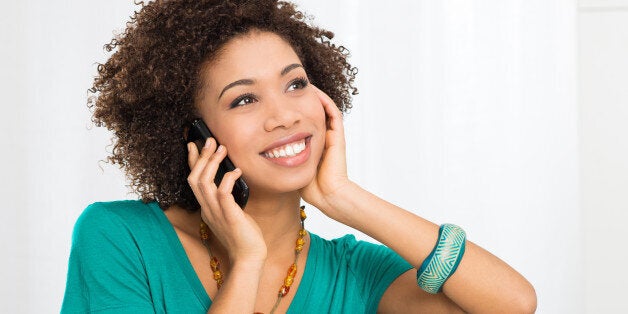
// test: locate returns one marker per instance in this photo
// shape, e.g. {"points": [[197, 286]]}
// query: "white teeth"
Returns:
{"points": [[287, 150]]}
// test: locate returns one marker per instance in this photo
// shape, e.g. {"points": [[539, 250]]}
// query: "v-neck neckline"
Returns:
{"points": [[185, 265], [182, 258]]}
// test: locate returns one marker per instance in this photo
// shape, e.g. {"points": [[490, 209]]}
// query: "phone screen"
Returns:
{"points": [[198, 133]]}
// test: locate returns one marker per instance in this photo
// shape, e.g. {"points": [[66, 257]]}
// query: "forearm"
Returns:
{"points": [[482, 282], [239, 291]]}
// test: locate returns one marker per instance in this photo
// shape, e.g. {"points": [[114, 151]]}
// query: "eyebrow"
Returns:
{"points": [[290, 68], [283, 72]]}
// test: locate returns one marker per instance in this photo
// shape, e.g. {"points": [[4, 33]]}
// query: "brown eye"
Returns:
{"points": [[299, 83], [243, 100]]}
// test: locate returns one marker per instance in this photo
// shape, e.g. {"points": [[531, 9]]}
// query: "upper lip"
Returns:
{"points": [[288, 139]]}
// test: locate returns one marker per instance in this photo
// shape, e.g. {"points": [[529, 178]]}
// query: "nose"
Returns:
{"points": [[281, 113]]}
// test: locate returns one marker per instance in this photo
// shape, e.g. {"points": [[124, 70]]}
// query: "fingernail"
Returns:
{"points": [[188, 146], [207, 142], [220, 148]]}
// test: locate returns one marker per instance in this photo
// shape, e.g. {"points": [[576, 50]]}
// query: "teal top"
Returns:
{"points": [[127, 258]]}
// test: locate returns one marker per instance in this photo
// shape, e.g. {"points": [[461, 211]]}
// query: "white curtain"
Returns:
{"points": [[466, 114]]}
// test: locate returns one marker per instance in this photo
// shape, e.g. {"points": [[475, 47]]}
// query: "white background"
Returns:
{"points": [[505, 117]]}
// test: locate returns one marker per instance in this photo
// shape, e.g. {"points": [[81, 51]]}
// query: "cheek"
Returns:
{"points": [[235, 135], [322, 117], [319, 121], [316, 112]]}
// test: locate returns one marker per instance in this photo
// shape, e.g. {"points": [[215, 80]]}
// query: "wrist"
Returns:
{"points": [[250, 266], [253, 255], [239, 291], [340, 204]]}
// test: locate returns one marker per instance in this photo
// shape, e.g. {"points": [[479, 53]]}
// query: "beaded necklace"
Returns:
{"points": [[292, 270]]}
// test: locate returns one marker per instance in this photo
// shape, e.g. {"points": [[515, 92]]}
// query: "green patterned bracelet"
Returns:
{"points": [[443, 260]]}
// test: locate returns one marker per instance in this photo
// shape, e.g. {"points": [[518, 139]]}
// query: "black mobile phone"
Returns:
{"points": [[198, 133]]}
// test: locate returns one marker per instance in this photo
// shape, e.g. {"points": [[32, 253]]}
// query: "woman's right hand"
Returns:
{"points": [[235, 229]]}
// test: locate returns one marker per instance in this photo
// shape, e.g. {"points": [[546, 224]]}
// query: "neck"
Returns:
{"points": [[278, 217]]}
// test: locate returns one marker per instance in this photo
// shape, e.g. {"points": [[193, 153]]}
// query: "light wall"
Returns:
{"points": [[603, 130], [467, 113]]}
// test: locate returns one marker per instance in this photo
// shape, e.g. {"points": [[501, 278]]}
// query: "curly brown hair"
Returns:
{"points": [[145, 93]]}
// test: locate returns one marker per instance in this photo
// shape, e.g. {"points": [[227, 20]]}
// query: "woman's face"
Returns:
{"points": [[259, 104]]}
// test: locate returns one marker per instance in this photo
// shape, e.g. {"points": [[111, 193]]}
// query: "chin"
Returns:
{"points": [[281, 183]]}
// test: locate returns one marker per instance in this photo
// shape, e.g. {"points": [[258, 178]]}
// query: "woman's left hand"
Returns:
{"points": [[331, 178]]}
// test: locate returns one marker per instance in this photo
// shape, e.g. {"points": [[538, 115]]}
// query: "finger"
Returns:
{"points": [[335, 129], [207, 185], [228, 181], [205, 219], [331, 110], [207, 176], [192, 154], [224, 195], [197, 169], [201, 160], [209, 147], [205, 188]]}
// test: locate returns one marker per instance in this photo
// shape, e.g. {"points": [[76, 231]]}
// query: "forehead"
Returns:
{"points": [[254, 55]]}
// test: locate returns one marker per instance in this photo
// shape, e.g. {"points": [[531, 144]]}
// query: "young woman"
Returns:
{"points": [[272, 90]]}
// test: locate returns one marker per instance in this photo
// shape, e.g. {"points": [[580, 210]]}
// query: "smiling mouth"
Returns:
{"points": [[288, 150]]}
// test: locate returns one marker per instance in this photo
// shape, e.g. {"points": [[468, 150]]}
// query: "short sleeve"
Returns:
{"points": [[375, 267], [105, 272]]}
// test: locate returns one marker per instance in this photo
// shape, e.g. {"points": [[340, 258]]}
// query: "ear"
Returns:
{"points": [[186, 132]]}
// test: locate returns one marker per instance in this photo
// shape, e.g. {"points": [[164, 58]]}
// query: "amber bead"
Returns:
{"points": [[203, 231], [214, 263], [283, 291], [300, 242], [288, 281], [292, 271]]}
